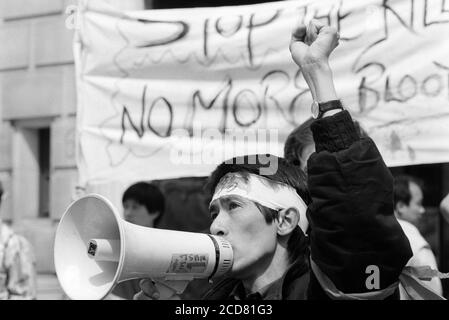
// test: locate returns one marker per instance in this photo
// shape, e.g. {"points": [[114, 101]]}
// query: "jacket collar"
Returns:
{"points": [[292, 282]]}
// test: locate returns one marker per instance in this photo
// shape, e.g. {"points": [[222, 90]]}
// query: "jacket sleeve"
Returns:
{"points": [[351, 214]]}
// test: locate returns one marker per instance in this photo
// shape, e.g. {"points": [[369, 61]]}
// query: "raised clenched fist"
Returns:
{"points": [[313, 44]]}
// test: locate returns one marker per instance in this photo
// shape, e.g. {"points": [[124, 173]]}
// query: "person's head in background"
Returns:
{"points": [[143, 204], [300, 145], [408, 197]]}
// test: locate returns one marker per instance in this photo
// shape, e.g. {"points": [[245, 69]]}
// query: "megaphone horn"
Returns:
{"points": [[96, 249]]}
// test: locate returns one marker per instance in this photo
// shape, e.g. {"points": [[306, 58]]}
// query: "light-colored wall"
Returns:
{"points": [[38, 90]]}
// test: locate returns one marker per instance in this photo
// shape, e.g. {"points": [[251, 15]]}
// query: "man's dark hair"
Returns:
{"points": [[1, 191], [286, 173], [402, 188], [301, 137], [148, 195]]}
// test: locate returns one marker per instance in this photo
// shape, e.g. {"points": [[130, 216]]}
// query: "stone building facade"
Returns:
{"points": [[37, 131]]}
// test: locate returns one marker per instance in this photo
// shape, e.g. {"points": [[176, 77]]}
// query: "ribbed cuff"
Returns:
{"points": [[334, 133]]}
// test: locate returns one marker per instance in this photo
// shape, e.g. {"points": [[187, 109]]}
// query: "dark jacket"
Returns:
{"points": [[351, 216], [292, 286]]}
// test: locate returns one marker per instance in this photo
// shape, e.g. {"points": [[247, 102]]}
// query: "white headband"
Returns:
{"points": [[258, 189]]}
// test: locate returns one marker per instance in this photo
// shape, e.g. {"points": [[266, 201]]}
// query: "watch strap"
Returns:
{"points": [[329, 105]]}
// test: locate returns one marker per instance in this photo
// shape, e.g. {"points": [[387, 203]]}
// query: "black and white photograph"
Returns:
{"points": [[234, 151]]}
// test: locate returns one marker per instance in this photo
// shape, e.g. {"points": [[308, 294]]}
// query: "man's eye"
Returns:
{"points": [[233, 205], [213, 216]]}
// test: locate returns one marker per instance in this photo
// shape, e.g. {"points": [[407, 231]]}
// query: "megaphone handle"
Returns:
{"points": [[169, 288]]}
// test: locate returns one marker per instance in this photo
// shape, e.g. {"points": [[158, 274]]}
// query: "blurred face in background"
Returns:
{"points": [[414, 210], [137, 213], [305, 155]]}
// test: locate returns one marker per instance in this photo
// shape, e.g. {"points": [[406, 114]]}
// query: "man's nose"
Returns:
{"points": [[217, 227]]}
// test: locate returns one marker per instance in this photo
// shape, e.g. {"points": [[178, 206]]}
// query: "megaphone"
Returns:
{"points": [[95, 249]]}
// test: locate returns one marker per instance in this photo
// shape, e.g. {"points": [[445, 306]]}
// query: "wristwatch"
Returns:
{"points": [[319, 108]]}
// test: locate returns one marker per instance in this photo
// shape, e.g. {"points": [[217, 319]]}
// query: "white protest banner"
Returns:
{"points": [[167, 93]]}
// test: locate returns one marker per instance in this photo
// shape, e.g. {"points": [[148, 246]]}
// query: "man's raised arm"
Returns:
{"points": [[357, 245]]}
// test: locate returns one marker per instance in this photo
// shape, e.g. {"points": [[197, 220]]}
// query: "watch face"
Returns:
{"points": [[315, 109]]}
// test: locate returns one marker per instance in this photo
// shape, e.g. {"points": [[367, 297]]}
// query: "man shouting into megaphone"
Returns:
{"points": [[357, 248], [264, 219]]}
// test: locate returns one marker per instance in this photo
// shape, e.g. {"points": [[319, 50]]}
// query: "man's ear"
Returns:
{"points": [[400, 207], [287, 221]]}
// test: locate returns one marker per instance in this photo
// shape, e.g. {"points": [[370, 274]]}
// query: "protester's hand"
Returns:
{"points": [[312, 45], [310, 48], [148, 291], [112, 296], [155, 291]]}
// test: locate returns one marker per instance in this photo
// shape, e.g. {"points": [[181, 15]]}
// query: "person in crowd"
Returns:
{"points": [[17, 264], [409, 209], [299, 144], [143, 204], [348, 202]]}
